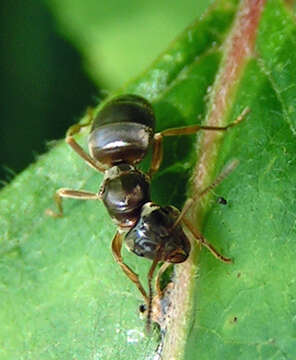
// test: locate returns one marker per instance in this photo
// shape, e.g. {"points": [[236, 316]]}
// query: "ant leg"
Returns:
{"points": [[75, 129], [150, 277], [68, 193], [201, 240], [160, 293], [116, 250], [186, 130], [157, 154], [162, 269]]}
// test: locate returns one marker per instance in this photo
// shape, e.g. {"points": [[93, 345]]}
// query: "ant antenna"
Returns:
{"points": [[188, 204]]}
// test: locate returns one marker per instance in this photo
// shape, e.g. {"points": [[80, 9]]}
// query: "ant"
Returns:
{"points": [[120, 136]]}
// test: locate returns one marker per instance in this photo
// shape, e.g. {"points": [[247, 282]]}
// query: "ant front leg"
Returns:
{"points": [[189, 203], [116, 250], [202, 241], [157, 154], [160, 272], [69, 193], [75, 129]]}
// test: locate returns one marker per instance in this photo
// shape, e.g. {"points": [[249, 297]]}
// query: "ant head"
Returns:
{"points": [[155, 235]]}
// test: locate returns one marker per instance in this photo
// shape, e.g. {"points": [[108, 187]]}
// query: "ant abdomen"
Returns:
{"points": [[122, 131], [124, 191]]}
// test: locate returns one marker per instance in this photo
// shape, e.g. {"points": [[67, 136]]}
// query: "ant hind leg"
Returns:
{"points": [[157, 154]]}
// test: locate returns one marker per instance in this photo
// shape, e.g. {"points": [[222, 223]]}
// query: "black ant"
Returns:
{"points": [[120, 136]]}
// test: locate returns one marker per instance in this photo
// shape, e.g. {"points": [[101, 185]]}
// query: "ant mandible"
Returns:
{"points": [[120, 136]]}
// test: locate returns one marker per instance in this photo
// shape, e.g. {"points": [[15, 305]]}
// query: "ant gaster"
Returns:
{"points": [[120, 136]]}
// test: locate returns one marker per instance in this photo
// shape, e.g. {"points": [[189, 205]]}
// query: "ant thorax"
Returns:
{"points": [[124, 191]]}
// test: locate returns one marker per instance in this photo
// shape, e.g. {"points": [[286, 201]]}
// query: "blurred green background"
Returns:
{"points": [[60, 56]]}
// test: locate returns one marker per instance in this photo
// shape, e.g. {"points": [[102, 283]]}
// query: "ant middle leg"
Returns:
{"points": [[157, 154], [69, 193]]}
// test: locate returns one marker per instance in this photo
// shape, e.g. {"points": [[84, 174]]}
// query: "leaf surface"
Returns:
{"points": [[62, 295]]}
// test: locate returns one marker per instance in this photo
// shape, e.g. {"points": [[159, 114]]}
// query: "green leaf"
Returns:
{"points": [[62, 295], [121, 38], [247, 311]]}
